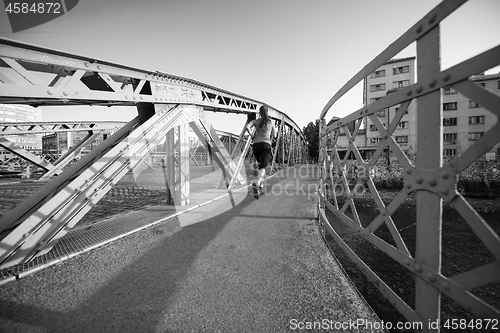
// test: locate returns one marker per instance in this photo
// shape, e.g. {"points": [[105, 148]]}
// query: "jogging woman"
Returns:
{"points": [[264, 133]]}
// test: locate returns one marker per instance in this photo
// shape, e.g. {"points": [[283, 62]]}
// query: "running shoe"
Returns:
{"points": [[256, 190]]}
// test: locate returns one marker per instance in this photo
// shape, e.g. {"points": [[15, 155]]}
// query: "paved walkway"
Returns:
{"points": [[260, 266]]}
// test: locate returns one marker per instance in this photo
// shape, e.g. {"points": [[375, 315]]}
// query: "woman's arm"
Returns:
{"points": [[248, 128]]}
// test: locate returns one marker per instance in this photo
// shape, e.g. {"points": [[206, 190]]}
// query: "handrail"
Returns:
{"points": [[427, 177]]}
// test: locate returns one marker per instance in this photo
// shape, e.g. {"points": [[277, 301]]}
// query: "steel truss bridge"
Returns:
{"points": [[167, 107], [428, 178], [54, 162]]}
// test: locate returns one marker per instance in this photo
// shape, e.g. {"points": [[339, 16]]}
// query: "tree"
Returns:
{"points": [[311, 133]]}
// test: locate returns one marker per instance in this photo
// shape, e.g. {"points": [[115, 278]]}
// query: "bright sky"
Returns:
{"points": [[293, 55]]}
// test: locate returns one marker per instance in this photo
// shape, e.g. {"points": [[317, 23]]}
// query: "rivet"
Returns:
{"points": [[432, 83], [419, 89], [445, 191], [447, 77], [98, 67], [50, 92], [432, 182], [386, 136], [384, 213], [408, 185], [146, 76], [419, 179], [409, 92], [419, 29], [87, 64], [431, 277], [65, 93], [445, 175], [432, 19], [418, 268], [446, 285], [26, 235], [408, 171], [407, 262]]}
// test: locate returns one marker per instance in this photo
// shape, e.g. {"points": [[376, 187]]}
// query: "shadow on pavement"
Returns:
{"points": [[134, 300]]}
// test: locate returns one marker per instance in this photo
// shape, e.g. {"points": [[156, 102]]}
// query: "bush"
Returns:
{"points": [[482, 178]]}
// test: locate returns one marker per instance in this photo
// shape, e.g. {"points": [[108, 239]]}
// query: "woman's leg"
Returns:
{"points": [[265, 156], [262, 174]]}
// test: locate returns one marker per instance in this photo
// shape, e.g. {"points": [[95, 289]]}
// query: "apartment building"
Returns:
{"points": [[10, 113], [393, 75], [57, 143], [465, 121], [388, 78]]}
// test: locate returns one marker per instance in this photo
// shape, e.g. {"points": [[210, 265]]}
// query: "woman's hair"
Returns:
{"points": [[264, 117]]}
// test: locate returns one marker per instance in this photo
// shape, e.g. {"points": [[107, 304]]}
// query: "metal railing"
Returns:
{"points": [[427, 179]]}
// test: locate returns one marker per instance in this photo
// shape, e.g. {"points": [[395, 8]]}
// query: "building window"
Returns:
{"points": [[482, 84], [400, 84], [400, 70], [373, 128], [449, 106], [449, 91], [377, 87], [397, 110], [381, 113], [374, 99], [402, 139], [403, 124], [450, 137], [473, 104], [380, 73], [449, 121], [474, 136], [450, 152], [375, 141], [476, 120]]}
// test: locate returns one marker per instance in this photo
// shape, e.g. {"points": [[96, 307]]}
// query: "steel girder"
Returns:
{"points": [[25, 155], [78, 80], [71, 155], [54, 127], [432, 181], [93, 127]]}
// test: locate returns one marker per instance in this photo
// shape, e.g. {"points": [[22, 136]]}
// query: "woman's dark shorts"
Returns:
{"points": [[262, 153]]}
